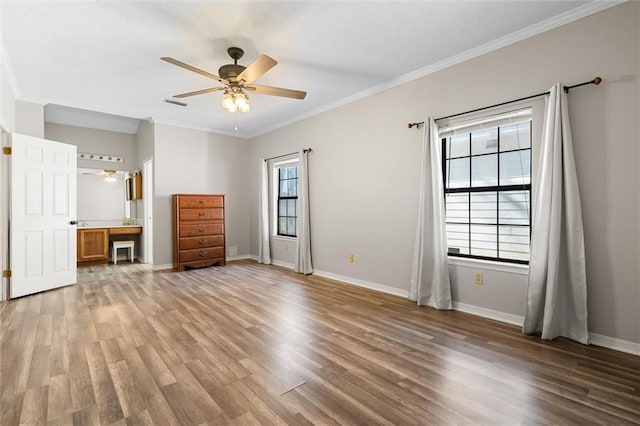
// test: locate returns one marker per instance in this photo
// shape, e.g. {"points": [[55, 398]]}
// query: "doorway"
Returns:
{"points": [[148, 210]]}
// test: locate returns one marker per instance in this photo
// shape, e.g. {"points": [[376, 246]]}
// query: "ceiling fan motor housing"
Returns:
{"points": [[230, 71]]}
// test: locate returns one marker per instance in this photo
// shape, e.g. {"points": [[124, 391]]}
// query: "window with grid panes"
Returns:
{"points": [[287, 199], [487, 176]]}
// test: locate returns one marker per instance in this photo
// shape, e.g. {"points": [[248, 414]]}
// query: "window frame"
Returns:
{"points": [[497, 189], [294, 162]]}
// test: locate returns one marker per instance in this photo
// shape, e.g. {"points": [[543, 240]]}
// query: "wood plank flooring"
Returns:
{"points": [[252, 344]]}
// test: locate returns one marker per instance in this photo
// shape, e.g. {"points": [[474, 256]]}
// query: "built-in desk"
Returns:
{"points": [[93, 241]]}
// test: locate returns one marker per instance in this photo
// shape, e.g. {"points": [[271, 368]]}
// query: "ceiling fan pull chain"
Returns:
{"points": [[237, 120]]}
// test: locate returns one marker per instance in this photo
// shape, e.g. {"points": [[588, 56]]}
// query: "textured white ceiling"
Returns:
{"points": [[105, 56]]}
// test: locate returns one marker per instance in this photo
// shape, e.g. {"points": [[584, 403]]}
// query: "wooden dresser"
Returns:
{"points": [[198, 231]]}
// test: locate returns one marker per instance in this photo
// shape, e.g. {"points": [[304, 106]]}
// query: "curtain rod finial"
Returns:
{"points": [[597, 80]]}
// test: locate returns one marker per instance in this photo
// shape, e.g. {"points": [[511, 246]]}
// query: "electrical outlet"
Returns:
{"points": [[479, 278], [352, 257]]}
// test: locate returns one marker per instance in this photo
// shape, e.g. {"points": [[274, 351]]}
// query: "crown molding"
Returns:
{"points": [[572, 15]]}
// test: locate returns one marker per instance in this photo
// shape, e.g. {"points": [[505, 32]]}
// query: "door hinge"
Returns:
{"points": [[6, 273], [6, 150]]}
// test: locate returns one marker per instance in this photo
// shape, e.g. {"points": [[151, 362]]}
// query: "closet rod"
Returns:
{"points": [[286, 155], [595, 81]]}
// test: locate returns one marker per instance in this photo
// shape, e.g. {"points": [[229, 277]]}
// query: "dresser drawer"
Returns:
{"points": [[196, 201], [201, 254], [201, 242], [201, 214], [202, 229]]}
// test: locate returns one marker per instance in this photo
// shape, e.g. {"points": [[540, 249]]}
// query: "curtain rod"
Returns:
{"points": [[596, 81], [286, 155]]}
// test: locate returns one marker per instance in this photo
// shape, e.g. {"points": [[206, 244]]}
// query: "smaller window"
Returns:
{"points": [[287, 200]]}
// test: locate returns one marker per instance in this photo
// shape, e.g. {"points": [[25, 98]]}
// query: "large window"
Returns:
{"points": [[487, 176], [287, 198]]}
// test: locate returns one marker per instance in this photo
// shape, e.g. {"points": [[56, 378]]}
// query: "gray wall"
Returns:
{"points": [[192, 161], [96, 141], [29, 119], [364, 170]]}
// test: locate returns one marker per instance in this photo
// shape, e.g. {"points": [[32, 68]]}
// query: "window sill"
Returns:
{"points": [[512, 268], [284, 238]]}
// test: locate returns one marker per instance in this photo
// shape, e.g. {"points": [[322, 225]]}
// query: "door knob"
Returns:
{"points": [[73, 222]]}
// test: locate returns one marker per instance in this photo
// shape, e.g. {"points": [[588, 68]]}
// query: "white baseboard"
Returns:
{"points": [[595, 339], [240, 257], [361, 283], [613, 343], [488, 313], [162, 267]]}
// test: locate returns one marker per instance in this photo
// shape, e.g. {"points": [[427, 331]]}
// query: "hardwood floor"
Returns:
{"points": [[249, 344]]}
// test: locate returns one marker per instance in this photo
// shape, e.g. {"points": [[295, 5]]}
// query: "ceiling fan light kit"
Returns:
{"points": [[238, 79]]}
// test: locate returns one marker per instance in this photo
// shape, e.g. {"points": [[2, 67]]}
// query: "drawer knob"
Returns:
{"points": [[202, 254], [201, 242], [200, 229], [201, 214], [201, 202]]}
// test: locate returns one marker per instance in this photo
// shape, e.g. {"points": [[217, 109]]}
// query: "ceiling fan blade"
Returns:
{"points": [[256, 69], [277, 91], [198, 92], [194, 69]]}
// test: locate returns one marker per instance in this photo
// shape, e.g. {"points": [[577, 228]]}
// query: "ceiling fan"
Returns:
{"points": [[238, 79]]}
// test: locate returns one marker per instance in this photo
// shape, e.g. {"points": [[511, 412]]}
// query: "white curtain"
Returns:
{"points": [[430, 272], [303, 263], [264, 252], [556, 302]]}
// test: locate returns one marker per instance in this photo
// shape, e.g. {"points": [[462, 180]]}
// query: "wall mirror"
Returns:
{"points": [[102, 196]]}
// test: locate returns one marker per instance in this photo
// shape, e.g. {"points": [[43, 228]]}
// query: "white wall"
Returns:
{"points": [[197, 162], [7, 102], [96, 141], [144, 150], [364, 167]]}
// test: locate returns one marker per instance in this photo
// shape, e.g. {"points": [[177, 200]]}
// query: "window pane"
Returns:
{"points": [[457, 146], [484, 208], [291, 208], [291, 226], [515, 167], [484, 241], [514, 207], [283, 188], [457, 207], [515, 136], [514, 242], [457, 175], [484, 170], [484, 141], [293, 172], [282, 225], [458, 238], [293, 187], [282, 207]]}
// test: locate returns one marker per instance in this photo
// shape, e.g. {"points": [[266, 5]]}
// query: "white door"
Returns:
{"points": [[148, 210], [43, 215]]}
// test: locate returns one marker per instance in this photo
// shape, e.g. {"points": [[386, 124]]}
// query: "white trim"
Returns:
{"points": [[285, 238], [361, 283], [241, 257], [162, 267], [488, 313], [613, 343], [281, 263], [517, 320], [522, 34], [511, 268]]}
